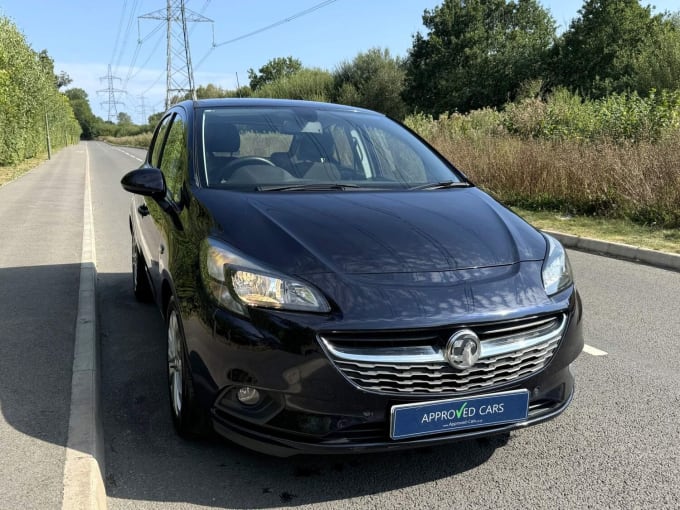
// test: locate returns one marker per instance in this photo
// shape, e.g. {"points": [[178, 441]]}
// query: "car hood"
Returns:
{"points": [[372, 233]]}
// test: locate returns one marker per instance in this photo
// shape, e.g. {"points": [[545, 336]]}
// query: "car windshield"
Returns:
{"points": [[305, 148]]}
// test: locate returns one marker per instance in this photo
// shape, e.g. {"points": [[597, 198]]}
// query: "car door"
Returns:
{"points": [[146, 211], [157, 219], [165, 224]]}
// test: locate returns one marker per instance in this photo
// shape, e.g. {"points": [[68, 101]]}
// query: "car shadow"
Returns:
{"points": [[146, 460], [38, 307]]}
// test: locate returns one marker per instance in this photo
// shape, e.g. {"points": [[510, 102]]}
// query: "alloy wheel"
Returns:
{"points": [[175, 363]]}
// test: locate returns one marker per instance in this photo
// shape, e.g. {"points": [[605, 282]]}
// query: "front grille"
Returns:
{"points": [[405, 363]]}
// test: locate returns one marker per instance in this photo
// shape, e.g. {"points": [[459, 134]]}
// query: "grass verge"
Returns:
{"points": [[9, 173], [635, 181], [141, 141], [606, 229]]}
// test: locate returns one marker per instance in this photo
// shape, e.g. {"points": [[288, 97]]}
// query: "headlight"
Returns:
{"points": [[236, 282], [556, 268]]}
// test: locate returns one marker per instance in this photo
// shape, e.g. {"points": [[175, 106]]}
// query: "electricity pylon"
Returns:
{"points": [[180, 73], [142, 109], [112, 102]]}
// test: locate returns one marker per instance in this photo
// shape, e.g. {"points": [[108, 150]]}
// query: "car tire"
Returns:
{"points": [[187, 417], [140, 281]]}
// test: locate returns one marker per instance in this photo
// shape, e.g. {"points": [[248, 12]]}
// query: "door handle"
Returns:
{"points": [[143, 210]]}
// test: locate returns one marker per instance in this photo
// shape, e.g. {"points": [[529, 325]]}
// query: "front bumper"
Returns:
{"points": [[376, 438], [309, 406]]}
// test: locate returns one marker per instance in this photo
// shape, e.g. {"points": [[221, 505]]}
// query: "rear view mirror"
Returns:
{"points": [[144, 181]]}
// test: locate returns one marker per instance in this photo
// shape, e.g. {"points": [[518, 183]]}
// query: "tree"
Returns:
{"points": [[476, 53], [124, 119], [210, 91], [596, 55], [155, 118], [83, 113], [47, 63], [373, 80], [657, 66], [29, 100], [309, 84], [273, 70]]}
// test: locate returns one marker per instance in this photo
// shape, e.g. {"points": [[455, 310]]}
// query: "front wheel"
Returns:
{"points": [[187, 417]]}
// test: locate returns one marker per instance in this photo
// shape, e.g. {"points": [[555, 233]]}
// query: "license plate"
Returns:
{"points": [[425, 418]]}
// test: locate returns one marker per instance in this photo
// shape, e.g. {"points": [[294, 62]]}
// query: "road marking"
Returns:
{"points": [[128, 154], [593, 351], [84, 466]]}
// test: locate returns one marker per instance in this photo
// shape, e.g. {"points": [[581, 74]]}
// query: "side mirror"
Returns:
{"points": [[144, 181]]}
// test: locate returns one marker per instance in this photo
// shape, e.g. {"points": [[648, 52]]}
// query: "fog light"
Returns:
{"points": [[248, 396]]}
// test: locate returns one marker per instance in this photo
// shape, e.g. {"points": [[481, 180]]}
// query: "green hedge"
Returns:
{"points": [[28, 94]]}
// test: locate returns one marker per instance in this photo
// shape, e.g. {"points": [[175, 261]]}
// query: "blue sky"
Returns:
{"points": [[81, 35]]}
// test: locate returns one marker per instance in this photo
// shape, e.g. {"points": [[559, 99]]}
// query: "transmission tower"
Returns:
{"points": [[111, 91], [142, 109], [180, 73]]}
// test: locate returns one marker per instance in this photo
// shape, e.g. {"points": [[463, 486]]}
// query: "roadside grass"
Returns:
{"points": [[605, 229], [639, 182], [11, 172], [142, 140]]}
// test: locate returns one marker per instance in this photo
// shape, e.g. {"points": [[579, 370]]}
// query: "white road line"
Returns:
{"points": [[593, 351], [84, 466], [128, 154]]}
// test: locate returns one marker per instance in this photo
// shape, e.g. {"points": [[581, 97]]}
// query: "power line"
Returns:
{"points": [[153, 84], [278, 23], [132, 73], [117, 56], [120, 27], [201, 12], [126, 36], [179, 77], [295, 16]]}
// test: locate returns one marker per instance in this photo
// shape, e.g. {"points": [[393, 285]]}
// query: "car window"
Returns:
{"points": [[343, 146], [258, 148], [174, 158], [157, 143], [396, 159]]}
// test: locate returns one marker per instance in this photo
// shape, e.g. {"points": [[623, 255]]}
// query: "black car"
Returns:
{"points": [[331, 284]]}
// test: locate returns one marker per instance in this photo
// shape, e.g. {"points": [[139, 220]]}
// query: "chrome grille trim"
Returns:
{"points": [[423, 369]]}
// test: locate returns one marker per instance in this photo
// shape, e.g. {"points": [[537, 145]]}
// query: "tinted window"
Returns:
{"points": [[157, 144], [255, 147], [174, 159]]}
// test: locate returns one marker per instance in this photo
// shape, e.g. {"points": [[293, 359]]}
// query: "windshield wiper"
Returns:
{"points": [[441, 185], [310, 187]]}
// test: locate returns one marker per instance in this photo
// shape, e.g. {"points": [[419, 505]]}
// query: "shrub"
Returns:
{"points": [[613, 157], [309, 84]]}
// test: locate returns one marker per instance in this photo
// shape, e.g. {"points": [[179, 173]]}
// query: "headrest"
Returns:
{"points": [[221, 137], [313, 147]]}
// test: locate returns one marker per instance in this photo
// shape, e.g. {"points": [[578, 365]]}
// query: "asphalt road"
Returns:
{"points": [[41, 228], [617, 446]]}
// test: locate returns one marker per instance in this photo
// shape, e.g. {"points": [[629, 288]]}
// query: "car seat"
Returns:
{"points": [[222, 141]]}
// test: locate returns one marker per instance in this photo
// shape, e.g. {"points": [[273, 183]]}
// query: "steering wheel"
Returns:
{"points": [[247, 160], [228, 170]]}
